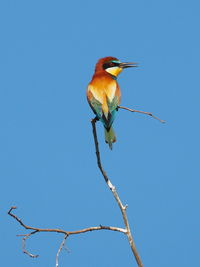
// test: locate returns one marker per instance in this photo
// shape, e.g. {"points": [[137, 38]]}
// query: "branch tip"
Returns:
{"points": [[12, 208]]}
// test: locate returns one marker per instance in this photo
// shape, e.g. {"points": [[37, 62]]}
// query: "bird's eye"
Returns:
{"points": [[112, 64], [106, 65]]}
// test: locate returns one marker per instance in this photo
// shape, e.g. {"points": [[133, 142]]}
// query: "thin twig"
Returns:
{"points": [[113, 189], [60, 248], [142, 112], [25, 251]]}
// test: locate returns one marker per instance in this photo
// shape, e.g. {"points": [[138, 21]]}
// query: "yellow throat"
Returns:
{"points": [[115, 71]]}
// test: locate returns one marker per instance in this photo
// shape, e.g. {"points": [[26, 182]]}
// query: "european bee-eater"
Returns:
{"points": [[103, 93]]}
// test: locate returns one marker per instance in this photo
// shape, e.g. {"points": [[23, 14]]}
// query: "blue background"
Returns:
{"points": [[48, 169]]}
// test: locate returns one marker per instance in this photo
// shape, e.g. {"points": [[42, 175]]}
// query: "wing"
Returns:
{"points": [[95, 104]]}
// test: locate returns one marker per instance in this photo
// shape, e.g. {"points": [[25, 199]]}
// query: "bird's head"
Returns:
{"points": [[112, 65]]}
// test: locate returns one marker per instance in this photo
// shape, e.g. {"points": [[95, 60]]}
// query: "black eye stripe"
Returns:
{"points": [[110, 64]]}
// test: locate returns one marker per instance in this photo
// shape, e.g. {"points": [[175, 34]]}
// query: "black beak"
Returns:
{"points": [[125, 65]]}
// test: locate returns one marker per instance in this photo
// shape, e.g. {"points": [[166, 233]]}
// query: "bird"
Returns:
{"points": [[104, 95]]}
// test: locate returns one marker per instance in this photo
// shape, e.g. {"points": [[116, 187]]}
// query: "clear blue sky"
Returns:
{"points": [[48, 169]]}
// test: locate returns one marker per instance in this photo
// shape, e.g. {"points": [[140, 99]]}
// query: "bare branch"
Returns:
{"points": [[84, 230], [123, 208], [116, 196], [66, 233], [142, 112]]}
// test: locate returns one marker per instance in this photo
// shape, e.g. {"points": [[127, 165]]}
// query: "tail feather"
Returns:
{"points": [[110, 137]]}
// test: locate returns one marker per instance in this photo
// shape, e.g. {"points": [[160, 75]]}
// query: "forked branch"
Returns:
{"points": [[66, 234], [116, 196]]}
